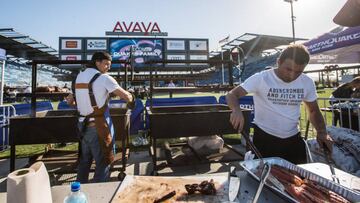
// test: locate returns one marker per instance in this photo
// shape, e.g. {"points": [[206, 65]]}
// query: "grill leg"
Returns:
{"points": [[12, 158], [154, 157]]}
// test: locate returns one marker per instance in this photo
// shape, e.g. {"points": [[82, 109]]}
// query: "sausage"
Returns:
{"points": [[286, 176], [297, 193], [314, 194]]}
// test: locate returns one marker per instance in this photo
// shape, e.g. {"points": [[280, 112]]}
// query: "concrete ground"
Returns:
{"points": [[62, 169]]}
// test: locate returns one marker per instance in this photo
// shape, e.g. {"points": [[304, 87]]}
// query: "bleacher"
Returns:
{"points": [[258, 66], [250, 69]]}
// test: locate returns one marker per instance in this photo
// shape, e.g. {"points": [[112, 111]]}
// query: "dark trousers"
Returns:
{"points": [[291, 149]]}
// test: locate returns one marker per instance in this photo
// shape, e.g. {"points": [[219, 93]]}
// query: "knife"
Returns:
{"points": [[234, 184]]}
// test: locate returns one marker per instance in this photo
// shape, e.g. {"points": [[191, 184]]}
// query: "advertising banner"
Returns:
{"points": [[336, 38], [96, 44], [143, 49], [340, 45], [71, 44], [198, 45], [88, 57], [71, 57], [198, 57], [176, 57], [175, 45]]}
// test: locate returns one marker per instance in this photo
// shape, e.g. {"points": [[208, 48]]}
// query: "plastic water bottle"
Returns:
{"points": [[76, 196]]}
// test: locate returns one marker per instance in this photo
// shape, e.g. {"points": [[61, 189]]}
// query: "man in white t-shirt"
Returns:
{"points": [[92, 89], [277, 95]]}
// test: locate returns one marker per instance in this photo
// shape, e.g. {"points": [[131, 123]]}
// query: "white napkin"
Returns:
{"points": [[30, 185]]}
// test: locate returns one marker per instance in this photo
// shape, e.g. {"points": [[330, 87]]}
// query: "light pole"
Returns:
{"points": [[292, 18]]}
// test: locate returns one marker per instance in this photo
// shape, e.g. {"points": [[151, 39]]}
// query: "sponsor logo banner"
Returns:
{"points": [[198, 45], [175, 45], [96, 44], [71, 44], [176, 57], [198, 57]]}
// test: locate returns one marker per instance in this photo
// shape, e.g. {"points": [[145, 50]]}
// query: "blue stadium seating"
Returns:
{"points": [[250, 69], [25, 109]]}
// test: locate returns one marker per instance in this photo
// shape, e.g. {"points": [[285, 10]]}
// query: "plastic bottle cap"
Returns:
{"points": [[75, 186]]}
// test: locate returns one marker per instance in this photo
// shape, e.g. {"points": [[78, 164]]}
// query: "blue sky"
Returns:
{"points": [[46, 20]]}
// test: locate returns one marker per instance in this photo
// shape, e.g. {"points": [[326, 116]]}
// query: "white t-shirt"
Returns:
{"points": [[277, 103], [102, 87], [171, 85]]}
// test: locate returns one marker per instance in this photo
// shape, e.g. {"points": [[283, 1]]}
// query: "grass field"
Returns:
{"points": [[31, 150]]}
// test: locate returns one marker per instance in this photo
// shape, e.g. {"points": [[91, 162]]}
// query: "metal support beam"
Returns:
{"points": [[33, 88], [6, 29], [18, 37]]}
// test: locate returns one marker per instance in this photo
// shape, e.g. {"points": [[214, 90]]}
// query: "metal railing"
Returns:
{"points": [[340, 112], [6, 111]]}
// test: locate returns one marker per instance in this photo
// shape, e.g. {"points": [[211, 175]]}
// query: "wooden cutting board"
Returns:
{"points": [[148, 188]]}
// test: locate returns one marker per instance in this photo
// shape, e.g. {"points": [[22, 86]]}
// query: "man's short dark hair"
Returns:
{"points": [[296, 52], [99, 56]]}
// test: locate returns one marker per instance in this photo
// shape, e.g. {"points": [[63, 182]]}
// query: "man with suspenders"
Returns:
{"points": [[92, 89]]}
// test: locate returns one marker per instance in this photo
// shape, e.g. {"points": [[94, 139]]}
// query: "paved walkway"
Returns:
{"points": [[139, 163]]}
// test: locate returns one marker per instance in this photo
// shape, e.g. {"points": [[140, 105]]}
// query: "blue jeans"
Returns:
{"points": [[90, 150]]}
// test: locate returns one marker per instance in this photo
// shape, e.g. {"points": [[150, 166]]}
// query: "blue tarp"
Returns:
{"points": [[136, 117], [64, 105], [245, 102], [24, 109]]}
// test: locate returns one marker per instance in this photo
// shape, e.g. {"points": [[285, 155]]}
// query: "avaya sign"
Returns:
{"points": [[137, 29]]}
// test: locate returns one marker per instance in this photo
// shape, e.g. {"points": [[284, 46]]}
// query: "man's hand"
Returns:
{"points": [[70, 100], [131, 104], [237, 119], [324, 139]]}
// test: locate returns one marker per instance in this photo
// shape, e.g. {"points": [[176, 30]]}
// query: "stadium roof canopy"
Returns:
{"points": [[251, 43], [21, 46]]}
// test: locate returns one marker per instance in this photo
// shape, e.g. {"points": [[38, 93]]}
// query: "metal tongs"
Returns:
{"points": [[262, 164], [330, 163], [264, 174], [252, 146]]}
